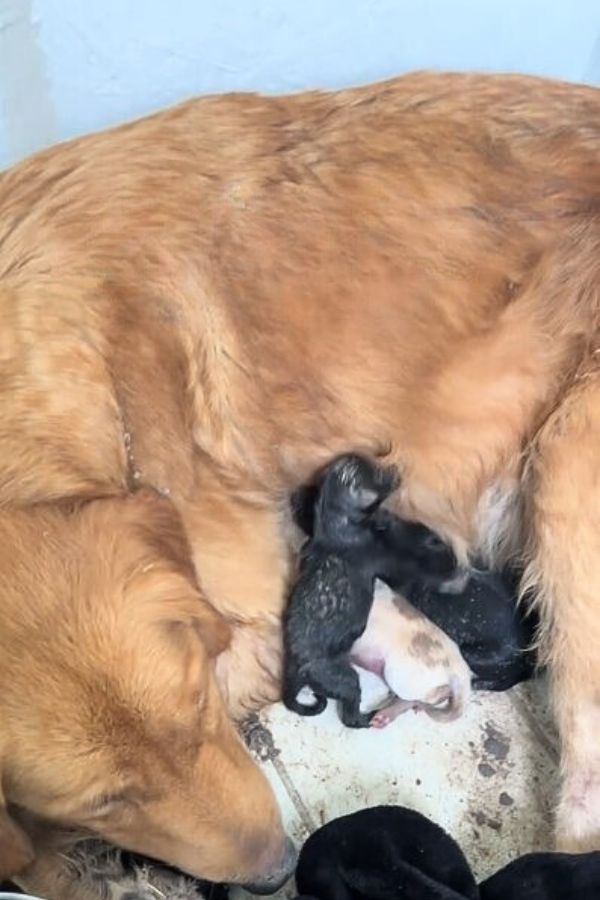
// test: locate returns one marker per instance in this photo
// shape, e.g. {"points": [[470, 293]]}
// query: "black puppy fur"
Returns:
{"points": [[495, 634], [384, 852], [353, 542], [546, 876], [394, 853], [400, 552]]}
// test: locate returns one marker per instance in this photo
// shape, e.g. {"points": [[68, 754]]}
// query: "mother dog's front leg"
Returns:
{"points": [[565, 569], [242, 557]]}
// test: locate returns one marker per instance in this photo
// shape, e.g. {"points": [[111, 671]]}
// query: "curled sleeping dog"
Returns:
{"points": [[420, 664], [353, 542]]}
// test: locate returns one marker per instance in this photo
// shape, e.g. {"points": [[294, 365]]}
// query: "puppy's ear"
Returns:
{"points": [[164, 532], [16, 850], [303, 502]]}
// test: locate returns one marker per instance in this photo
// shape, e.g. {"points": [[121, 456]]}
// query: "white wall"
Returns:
{"points": [[68, 66]]}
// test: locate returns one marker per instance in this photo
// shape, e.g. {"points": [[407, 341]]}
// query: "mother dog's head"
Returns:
{"points": [[110, 717]]}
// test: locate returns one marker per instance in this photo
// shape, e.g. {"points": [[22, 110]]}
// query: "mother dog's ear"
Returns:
{"points": [[16, 850], [212, 627], [163, 530]]}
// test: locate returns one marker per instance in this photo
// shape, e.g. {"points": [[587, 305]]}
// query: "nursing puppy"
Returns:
{"points": [[353, 541], [495, 633], [403, 554], [421, 665]]}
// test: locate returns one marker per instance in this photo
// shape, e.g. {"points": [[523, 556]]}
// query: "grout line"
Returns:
{"points": [[259, 740], [292, 791]]}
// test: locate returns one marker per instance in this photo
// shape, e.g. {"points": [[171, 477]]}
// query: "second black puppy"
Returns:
{"points": [[352, 542], [495, 633]]}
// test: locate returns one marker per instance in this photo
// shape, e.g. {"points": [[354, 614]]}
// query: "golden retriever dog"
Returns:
{"points": [[110, 724], [215, 300]]}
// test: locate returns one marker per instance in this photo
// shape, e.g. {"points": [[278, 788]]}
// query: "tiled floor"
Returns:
{"points": [[488, 778]]}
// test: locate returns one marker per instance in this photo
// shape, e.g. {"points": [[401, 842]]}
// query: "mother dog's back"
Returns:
{"points": [[213, 266]]}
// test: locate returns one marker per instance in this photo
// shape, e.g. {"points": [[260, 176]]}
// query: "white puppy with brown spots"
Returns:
{"points": [[422, 667]]}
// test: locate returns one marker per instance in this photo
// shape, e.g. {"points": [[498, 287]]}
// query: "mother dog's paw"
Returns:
{"points": [[578, 814]]}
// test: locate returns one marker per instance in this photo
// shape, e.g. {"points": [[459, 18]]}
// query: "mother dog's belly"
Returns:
{"points": [[477, 508], [485, 525]]}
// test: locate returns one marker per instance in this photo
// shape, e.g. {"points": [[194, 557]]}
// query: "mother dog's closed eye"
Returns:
{"points": [[111, 718]]}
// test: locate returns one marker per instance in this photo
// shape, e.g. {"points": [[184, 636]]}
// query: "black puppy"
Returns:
{"points": [[402, 553], [353, 542], [383, 853], [494, 633], [394, 853], [546, 876]]}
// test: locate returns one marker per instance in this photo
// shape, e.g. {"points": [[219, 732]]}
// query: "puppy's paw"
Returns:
{"points": [[383, 717], [362, 720], [380, 720]]}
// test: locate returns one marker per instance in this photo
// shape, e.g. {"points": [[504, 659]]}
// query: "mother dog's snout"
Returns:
{"points": [[277, 876]]}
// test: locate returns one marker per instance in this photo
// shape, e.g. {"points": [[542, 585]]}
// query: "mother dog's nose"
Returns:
{"points": [[277, 876]]}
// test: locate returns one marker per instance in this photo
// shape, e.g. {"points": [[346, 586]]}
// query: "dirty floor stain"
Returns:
{"points": [[489, 778]]}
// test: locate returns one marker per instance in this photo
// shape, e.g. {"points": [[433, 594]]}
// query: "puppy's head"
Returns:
{"points": [[352, 487], [112, 721], [419, 553]]}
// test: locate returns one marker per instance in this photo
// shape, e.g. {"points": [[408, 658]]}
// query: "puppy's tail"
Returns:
{"points": [[456, 694], [290, 700]]}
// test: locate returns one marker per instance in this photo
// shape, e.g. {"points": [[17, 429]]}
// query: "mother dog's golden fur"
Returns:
{"points": [[216, 299], [111, 720]]}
